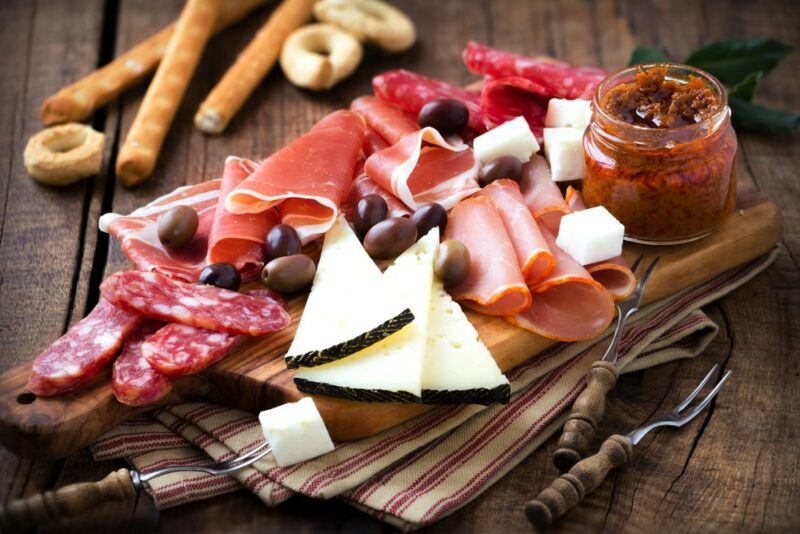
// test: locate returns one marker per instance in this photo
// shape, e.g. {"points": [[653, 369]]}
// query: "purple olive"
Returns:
{"points": [[447, 115], [370, 210], [282, 240], [428, 216]]}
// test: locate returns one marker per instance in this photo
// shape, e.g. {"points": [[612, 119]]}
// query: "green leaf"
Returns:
{"points": [[646, 54], [746, 89], [732, 60], [756, 118]]}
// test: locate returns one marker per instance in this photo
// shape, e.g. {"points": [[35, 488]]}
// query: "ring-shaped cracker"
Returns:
{"points": [[371, 21], [64, 154], [318, 56]]}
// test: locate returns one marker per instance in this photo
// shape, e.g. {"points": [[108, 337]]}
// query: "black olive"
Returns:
{"points": [[370, 210], [500, 167], [288, 274], [390, 237], [447, 115], [222, 275], [282, 240], [428, 216], [451, 263], [177, 226]]}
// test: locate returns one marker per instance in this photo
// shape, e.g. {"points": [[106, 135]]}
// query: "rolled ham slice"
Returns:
{"points": [[569, 305], [504, 99], [495, 284], [308, 178], [138, 235], [363, 186], [614, 274], [541, 194], [239, 239], [533, 254], [420, 166]]}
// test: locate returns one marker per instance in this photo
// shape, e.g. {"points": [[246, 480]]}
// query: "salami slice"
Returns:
{"points": [[80, 354], [507, 98], [133, 380], [410, 91], [158, 297], [178, 350]]}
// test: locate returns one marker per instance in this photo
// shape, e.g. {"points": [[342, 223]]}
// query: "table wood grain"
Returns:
{"points": [[735, 468]]}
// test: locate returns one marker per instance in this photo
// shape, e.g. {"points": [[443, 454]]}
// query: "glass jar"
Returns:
{"points": [[666, 185]]}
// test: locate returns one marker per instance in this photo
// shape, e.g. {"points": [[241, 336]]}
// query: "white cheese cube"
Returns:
{"points": [[296, 432], [563, 113], [590, 235], [563, 148], [512, 138]]}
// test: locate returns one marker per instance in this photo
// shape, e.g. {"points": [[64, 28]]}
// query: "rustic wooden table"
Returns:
{"points": [[734, 468]]}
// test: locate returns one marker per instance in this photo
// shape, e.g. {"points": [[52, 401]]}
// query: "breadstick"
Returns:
{"points": [[79, 100], [252, 65], [138, 155]]}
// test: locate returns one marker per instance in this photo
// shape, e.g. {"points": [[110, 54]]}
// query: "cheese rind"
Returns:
{"points": [[563, 113], [512, 138], [296, 432], [590, 235], [563, 148]]}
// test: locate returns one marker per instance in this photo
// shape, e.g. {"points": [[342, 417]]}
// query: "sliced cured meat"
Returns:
{"points": [[133, 379], [239, 239], [504, 99], [614, 274], [533, 254], [158, 297], [542, 194], [495, 284], [410, 91], [308, 178], [559, 79], [420, 166], [178, 350], [373, 142], [569, 305], [80, 354], [138, 235], [363, 186]]}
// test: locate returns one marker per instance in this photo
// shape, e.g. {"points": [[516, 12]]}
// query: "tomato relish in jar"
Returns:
{"points": [[660, 153]]}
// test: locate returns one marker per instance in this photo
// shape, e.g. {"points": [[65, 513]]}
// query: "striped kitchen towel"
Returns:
{"points": [[426, 468]]}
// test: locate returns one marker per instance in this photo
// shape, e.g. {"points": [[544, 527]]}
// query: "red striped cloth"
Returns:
{"points": [[426, 468]]}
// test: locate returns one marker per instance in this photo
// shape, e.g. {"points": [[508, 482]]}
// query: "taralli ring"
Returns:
{"points": [[370, 21], [318, 56], [64, 154]]}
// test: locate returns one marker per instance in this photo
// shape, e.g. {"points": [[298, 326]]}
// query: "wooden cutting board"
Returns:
{"points": [[255, 377]]}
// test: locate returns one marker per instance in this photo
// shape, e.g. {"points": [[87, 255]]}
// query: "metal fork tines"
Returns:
{"points": [[567, 490], [588, 409]]}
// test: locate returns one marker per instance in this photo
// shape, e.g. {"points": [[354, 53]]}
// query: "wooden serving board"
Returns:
{"points": [[255, 377]]}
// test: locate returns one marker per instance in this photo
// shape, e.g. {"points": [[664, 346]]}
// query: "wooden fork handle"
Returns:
{"points": [[69, 501], [585, 416], [567, 490]]}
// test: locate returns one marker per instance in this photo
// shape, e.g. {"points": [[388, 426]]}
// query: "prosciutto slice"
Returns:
{"points": [[238, 239], [533, 254], [614, 274], [420, 166], [569, 305], [410, 91], [495, 284], [542, 195], [363, 186], [138, 235], [308, 178]]}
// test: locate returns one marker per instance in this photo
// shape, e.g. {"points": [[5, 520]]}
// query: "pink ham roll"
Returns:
{"points": [[541, 194]]}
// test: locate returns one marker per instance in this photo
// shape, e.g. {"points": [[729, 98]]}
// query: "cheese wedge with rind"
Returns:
{"points": [[349, 307]]}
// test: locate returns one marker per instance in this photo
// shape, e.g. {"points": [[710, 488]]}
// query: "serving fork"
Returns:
{"points": [[589, 407], [570, 488], [76, 499]]}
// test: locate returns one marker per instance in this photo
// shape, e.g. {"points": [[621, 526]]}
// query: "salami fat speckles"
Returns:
{"points": [[80, 354], [157, 297], [133, 379]]}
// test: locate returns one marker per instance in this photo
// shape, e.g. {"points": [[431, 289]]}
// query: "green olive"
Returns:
{"points": [[288, 274], [177, 226], [451, 263]]}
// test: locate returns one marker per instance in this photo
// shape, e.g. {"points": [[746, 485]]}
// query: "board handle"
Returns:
{"points": [[585, 416], [69, 501]]}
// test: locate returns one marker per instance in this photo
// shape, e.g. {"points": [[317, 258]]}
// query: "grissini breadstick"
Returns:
{"points": [[79, 100], [252, 65], [139, 153]]}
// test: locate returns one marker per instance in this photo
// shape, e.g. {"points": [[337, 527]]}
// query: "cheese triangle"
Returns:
{"points": [[390, 370], [458, 367], [349, 307]]}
